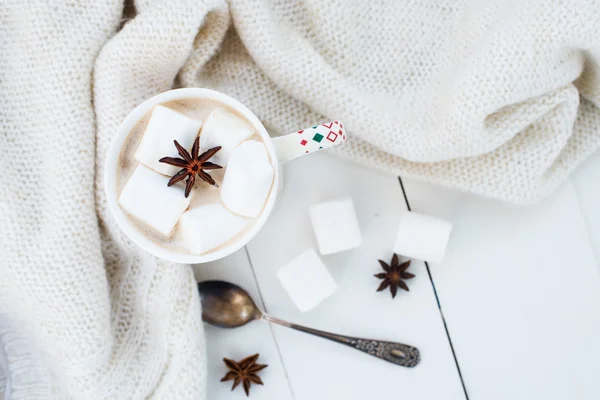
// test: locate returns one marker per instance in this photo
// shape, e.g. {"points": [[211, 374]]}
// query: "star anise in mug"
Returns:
{"points": [[192, 165], [394, 275], [243, 371]]}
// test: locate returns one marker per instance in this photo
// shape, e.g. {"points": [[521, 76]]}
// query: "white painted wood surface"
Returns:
{"points": [[256, 337], [320, 369], [586, 182], [519, 290]]}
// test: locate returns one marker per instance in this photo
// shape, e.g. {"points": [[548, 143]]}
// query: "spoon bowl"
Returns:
{"points": [[226, 305]]}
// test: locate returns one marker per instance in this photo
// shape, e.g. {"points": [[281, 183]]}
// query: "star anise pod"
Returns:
{"points": [[394, 275], [243, 371], [192, 165]]}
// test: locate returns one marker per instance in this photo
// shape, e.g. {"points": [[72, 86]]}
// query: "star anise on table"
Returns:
{"points": [[243, 371], [192, 165], [394, 275]]}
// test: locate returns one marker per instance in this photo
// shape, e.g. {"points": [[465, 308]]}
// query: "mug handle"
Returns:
{"points": [[309, 140]]}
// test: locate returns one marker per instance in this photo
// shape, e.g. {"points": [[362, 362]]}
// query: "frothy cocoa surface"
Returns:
{"points": [[202, 193]]}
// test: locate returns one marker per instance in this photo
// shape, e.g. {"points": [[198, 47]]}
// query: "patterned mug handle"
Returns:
{"points": [[309, 140]]}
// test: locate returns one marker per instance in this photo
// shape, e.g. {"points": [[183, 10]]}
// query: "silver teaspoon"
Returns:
{"points": [[226, 305]]}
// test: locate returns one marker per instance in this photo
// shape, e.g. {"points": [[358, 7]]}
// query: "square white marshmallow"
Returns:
{"points": [[207, 227], [248, 179], [422, 237], [224, 129], [147, 197], [165, 126], [307, 280], [335, 226]]}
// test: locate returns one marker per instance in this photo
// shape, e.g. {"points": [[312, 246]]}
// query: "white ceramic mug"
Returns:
{"points": [[281, 149]]}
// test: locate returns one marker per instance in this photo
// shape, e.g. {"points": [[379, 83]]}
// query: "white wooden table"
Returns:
{"points": [[513, 312]]}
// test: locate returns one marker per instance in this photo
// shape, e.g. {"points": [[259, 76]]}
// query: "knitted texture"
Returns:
{"points": [[84, 313], [497, 98]]}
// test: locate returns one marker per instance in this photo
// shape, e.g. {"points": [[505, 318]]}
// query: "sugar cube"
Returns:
{"points": [[335, 225], [422, 237], [307, 280], [225, 129], [165, 126], [209, 226], [248, 179], [147, 197]]}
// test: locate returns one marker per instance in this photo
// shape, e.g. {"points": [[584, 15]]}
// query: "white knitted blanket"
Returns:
{"points": [[498, 98]]}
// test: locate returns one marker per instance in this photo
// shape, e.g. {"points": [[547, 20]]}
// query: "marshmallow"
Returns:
{"points": [[207, 227], [164, 126], [422, 237], [335, 226], [248, 179], [224, 129], [147, 197], [307, 280]]}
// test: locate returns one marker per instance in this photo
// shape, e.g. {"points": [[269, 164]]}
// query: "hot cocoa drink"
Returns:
{"points": [[194, 175]]}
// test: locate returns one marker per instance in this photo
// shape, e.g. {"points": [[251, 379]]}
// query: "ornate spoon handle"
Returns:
{"points": [[396, 353]]}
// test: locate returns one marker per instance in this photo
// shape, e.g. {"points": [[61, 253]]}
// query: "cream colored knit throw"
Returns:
{"points": [[497, 98]]}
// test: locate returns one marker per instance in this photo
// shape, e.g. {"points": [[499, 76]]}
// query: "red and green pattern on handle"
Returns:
{"points": [[309, 140]]}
